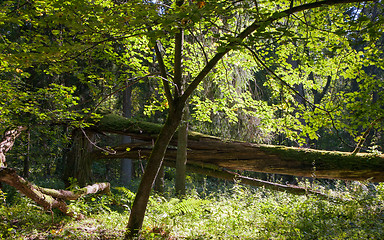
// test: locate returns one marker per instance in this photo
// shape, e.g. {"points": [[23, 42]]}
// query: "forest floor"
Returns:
{"points": [[211, 210]]}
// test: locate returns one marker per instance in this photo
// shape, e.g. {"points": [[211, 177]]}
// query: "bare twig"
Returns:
{"points": [[163, 73], [364, 137], [200, 45], [94, 144]]}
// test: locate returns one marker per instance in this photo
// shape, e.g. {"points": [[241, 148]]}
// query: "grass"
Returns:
{"points": [[229, 212]]}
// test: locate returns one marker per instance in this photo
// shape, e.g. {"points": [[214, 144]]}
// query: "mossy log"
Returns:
{"points": [[204, 149], [50, 198]]}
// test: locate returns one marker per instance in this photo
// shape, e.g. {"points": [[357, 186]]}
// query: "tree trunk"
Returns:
{"points": [[159, 182], [79, 159], [126, 165], [26, 159], [181, 157], [126, 168], [153, 165]]}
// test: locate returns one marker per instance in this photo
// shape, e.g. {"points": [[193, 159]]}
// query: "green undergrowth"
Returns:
{"points": [[235, 212]]}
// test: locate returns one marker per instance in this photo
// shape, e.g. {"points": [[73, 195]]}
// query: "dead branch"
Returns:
{"points": [[7, 142], [49, 198]]}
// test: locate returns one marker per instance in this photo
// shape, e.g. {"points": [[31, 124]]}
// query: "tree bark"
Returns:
{"points": [[160, 182], [79, 159], [181, 83], [27, 157], [181, 157], [126, 163], [7, 142], [126, 166]]}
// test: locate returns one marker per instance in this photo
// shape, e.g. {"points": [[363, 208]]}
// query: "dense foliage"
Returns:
{"points": [[303, 73], [211, 210]]}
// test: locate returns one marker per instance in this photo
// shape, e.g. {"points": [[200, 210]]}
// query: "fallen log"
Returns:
{"points": [[204, 149], [232, 176], [101, 188], [50, 198]]}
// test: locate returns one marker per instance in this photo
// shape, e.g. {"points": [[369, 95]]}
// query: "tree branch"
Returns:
{"points": [[163, 73], [73, 195], [365, 135], [200, 45]]}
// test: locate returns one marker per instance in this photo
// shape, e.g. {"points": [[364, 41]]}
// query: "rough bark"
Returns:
{"points": [[79, 159], [49, 198]]}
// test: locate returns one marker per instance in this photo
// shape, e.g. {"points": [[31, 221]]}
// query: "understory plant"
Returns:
{"points": [[354, 210]]}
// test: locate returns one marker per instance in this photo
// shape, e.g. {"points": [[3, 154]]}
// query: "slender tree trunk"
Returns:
{"points": [[26, 159], [181, 157], [126, 165], [126, 168], [153, 165]]}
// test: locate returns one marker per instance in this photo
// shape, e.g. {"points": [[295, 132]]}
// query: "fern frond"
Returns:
{"points": [[189, 206]]}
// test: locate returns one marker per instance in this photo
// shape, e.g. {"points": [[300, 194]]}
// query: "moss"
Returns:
{"points": [[197, 136], [327, 159], [113, 122], [117, 123]]}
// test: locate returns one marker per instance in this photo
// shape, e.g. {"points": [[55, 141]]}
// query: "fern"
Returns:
{"points": [[126, 192], [127, 198], [190, 206]]}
